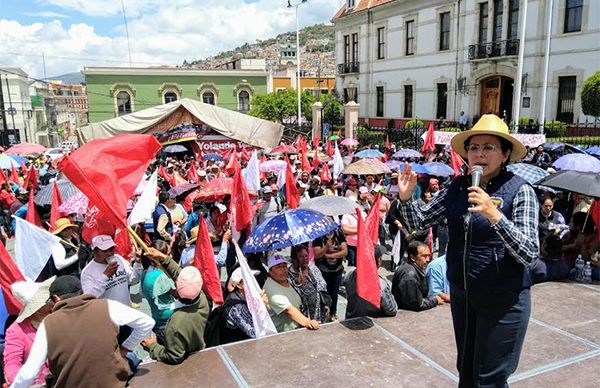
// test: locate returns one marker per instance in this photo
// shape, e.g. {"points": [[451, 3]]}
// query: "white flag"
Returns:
{"points": [[33, 248], [252, 174], [142, 211], [263, 325], [281, 178], [338, 163]]}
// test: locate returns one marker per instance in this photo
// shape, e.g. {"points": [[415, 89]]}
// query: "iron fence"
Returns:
{"points": [[585, 132], [401, 137]]}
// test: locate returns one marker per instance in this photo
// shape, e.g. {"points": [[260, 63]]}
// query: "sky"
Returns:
{"points": [[73, 34]]}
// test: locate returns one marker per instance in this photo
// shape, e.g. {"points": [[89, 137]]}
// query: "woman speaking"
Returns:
{"points": [[493, 238]]}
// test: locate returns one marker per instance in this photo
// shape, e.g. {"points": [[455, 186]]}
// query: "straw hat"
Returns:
{"points": [[62, 224], [33, 296], [489, 125], [193, 235]]}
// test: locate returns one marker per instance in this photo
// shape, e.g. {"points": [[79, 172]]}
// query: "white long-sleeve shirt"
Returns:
{"points": [[121, 315], [59, 255], [95, 282]]}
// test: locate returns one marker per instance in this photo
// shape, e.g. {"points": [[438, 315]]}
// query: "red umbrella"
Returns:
{"points": [[216, 189], [26, 148], [284, 149]]}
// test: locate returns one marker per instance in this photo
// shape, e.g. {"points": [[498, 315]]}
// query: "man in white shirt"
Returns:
{"points": [[79, 339], [108, 276]]}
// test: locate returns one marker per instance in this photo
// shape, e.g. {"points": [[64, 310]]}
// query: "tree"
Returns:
{"points": [[590, 96], [332, 109], [274, 106]]}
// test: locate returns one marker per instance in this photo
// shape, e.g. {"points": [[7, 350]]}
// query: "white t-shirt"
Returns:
{"points": [[95, 282]]}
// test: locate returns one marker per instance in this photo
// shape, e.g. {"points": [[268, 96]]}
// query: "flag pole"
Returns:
{"points": [[145, 248]]}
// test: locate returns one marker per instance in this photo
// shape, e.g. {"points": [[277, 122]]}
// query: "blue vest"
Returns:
{"points": [[489, 266], [159, 211]]}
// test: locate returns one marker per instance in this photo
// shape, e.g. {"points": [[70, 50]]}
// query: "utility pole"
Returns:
{"points": [[519, 80], [299, 89], [10, 104]]}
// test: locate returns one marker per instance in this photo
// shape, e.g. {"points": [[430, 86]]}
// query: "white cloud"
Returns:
{"points": [[160, 32], [45, 14]]}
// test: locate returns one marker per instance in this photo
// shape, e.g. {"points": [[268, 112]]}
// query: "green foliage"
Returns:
{"points": [[450, 129], [282, 104], [590, 95], [583, 140], [555, 129], [414, 123], [332, 109]]}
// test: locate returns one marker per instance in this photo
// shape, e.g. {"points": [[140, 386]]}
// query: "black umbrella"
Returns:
{"points": [[174, 149], [586, 183], [66, 188], [183, 189]]}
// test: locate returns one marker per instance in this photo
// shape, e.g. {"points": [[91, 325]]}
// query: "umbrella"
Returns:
{"points": [[407, 153], [334, 137], [174, 149], [284, 149], [215, 190], [66, 188], [349, 142], [289, 228], [577, 162], [77, 204], [393, 164], [212, 156], [529, 172], [6, 162], [18, 159], [366, 167], [593, 151], [272, 165], [438, 169], [554, 146], [26, 148], [416, 167], [586, 183], [330, 205], [369, 153], [183, 189]]}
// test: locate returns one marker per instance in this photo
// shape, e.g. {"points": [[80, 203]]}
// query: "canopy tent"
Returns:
{"points": [[234, 125]]}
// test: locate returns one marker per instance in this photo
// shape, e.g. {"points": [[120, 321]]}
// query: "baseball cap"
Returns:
{"points": [[202, 173], [275, 260], [66, 284], [189, 283], [267, 190], [363, 190], [103, 242], [236, 276]]}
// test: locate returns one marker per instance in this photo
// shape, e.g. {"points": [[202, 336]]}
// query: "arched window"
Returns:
{"points": [[243, 101], [170, 97], [123, 103], [208, 97]]}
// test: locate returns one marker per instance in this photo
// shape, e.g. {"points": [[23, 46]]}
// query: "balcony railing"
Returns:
{"points": [[348, 67], [496, 49]]}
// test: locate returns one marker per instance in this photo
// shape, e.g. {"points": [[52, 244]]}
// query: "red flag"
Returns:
{"points": [[316, 141], [14, 176], [56, 202], [178, 180], [192, 173], [595, 214], [245, 155], [429, 144], [305, 163], [373, 220], [456, 162], [124, 246], [316, 162], [241, 208], [387, 141], [204, 260], [96, 223], [109, 184], [325, 174], [3, 177], [291, 191], [367, 277], [31, 179], [329, 149], [32, 215], [9, 274], [23, 167], [231, 165], [302, 145]]}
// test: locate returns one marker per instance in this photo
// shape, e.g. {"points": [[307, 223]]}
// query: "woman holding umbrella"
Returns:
{"points": [[493, 238]]}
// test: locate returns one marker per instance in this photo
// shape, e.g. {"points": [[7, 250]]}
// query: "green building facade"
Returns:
{"points": [[114, 92]]}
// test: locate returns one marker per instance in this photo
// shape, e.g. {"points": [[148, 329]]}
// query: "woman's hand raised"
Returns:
{"points": [[407, 181]]}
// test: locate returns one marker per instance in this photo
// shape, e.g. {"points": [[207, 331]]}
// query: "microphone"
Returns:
{"points": [[476, 173]]}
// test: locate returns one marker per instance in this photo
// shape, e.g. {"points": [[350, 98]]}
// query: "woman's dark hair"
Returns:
{"points": [[296, 250], [505, 145], [160, 245]]}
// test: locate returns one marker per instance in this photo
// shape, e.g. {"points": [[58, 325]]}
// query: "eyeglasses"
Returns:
{"points": [[485, 148]]}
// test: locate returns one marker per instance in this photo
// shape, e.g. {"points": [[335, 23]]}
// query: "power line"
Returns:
{"points": [[115, 60]]}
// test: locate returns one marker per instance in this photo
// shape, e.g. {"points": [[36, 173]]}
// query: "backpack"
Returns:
{"points": [[215, 321]]}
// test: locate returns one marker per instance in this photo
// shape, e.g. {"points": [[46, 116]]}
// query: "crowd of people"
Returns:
{"points": [[514, 233]]}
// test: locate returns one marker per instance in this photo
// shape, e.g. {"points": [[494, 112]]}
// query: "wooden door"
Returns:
{"points": [[490, 96]]}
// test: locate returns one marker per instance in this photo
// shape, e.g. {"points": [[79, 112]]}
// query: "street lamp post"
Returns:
{"points": [[299, 118]]}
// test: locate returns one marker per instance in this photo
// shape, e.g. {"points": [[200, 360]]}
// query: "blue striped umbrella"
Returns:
{"points": [[407, 153], [438, 169], [368, 154], [416, 167], [532, 174]]}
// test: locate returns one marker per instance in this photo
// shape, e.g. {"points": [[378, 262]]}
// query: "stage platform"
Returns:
{"points": [[562, 349]]}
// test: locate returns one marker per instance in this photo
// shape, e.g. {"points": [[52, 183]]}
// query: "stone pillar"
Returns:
{"points": [[351, 118], [317, 111]]}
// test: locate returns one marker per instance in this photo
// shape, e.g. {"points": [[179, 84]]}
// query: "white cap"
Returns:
{"points": [[275, 260], [103, 242], [236, 276]]}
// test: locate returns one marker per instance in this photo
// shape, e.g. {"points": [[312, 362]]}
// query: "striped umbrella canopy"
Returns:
{"points": [[6, 162], [407, 153], [367, 167], [531, 173], [369, 153], [66, 188]]}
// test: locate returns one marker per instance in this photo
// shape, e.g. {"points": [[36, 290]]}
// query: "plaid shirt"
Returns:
{"points": [[519, 234]]}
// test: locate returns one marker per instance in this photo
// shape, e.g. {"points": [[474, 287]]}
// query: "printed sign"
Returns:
{"points": [[531, 140]]}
